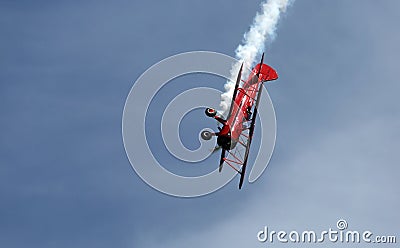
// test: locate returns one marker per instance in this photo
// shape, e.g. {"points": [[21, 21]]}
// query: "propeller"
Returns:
{"points": [[221, 161], [215, 149]]}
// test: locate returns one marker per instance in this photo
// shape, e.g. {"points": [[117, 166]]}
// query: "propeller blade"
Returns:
{"points": [[215, 149], [221, 161]]}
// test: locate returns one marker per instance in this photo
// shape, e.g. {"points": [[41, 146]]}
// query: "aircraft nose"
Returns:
{"points": [[224, 141]]}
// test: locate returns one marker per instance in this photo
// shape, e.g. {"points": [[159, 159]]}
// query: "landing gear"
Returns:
{"points": [[210, 112], [206, 135]]}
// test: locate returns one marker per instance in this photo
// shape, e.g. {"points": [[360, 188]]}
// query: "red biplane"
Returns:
{"points": [[238, 128]]}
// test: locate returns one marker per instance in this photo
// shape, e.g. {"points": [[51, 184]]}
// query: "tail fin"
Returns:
{"points": [[267, 73]]}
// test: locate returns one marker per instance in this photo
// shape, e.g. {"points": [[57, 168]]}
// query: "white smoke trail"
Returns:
{"points": [[262, 29]]}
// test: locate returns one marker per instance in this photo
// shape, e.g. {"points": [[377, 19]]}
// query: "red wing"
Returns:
{"points": [[237, 158], [239, 77]]}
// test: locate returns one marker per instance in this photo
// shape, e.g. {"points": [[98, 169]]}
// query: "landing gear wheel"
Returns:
{"points": [[210, 112], [206, 135]]}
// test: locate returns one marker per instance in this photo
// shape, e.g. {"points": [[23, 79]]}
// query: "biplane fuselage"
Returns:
{"points": [[243, 110], [242, 105]]}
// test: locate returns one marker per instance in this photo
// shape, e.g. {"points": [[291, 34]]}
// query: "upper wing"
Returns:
{"points": [[239, 76]]}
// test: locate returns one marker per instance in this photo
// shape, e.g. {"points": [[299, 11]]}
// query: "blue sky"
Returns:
{"points": [[67, 67]]}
